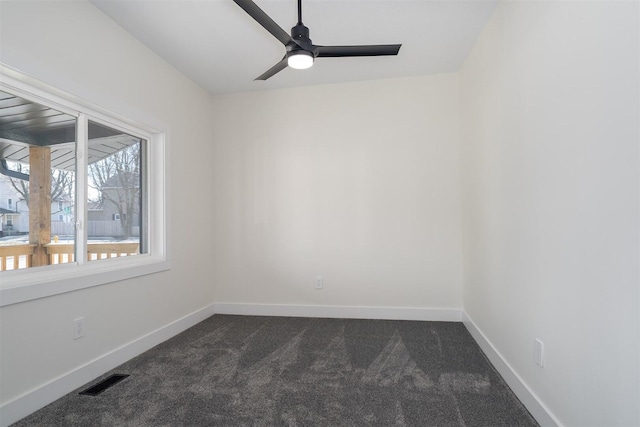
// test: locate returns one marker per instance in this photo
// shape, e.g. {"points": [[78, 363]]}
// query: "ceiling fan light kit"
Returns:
{"points": [[300, 59], [301, 52]]}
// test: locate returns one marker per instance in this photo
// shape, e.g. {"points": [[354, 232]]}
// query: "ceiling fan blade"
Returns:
{"points": [[263, 19], [364, 50], [273, 70]]}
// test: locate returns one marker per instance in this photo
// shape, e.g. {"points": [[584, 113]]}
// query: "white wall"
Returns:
{"points": [[550, 133], [357, 182], [361, 183], [73, 46]]}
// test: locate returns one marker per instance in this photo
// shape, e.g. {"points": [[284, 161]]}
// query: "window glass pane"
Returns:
{"points": [[116, 195], [37, 179]]}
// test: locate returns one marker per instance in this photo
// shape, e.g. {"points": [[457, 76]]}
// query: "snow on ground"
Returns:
{"points": [[24, 239]]}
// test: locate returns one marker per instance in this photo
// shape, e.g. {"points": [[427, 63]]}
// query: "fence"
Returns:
{"points": [[95, 228]]}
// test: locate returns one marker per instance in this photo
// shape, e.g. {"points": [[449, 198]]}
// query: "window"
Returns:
{"points": [[106, 175], [9, 203]]}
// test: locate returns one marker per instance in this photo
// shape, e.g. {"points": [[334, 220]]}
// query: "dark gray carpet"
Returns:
{"points": [[266, 371]]}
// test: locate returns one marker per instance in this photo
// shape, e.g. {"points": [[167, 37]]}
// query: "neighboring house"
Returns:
{"points": [[8, 201], [117, 209], [14, 212], [62, 217], [95, 212], [7, 218]]}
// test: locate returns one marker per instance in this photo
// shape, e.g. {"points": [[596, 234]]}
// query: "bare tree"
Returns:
{"points": [[117, 181], [62, 183]]}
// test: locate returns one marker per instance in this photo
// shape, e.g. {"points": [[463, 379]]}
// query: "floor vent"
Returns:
{"points": [[112, 380]]}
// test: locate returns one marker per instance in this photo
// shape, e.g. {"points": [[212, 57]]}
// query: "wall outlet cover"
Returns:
{"points": [[538, 352], [78, 328]]}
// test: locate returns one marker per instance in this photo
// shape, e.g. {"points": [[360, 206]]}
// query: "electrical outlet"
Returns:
{"points": [[78, 328], [319, 282], [538, 352]]}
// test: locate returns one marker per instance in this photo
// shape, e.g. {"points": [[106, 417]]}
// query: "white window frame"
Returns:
{"points": [[38, 282]]}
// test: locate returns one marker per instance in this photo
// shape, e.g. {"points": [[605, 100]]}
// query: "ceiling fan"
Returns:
{"points": [[301, 52]]}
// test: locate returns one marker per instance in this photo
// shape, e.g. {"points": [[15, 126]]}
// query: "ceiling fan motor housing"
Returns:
{"points": [[300, 37]]}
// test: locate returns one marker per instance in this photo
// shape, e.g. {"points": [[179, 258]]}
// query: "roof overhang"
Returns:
{"points": [[24, 123]]}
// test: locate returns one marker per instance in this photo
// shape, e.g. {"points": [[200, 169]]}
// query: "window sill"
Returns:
{"points": [[40, 282]]}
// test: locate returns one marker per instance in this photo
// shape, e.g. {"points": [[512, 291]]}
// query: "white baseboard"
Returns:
{"points": [[33, 400], [342, 312], [540, 412]]}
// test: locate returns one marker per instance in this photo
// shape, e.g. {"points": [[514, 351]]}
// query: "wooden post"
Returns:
{"points": [[40, 202]]}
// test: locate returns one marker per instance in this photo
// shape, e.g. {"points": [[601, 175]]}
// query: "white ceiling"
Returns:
{"points": [[223, 49]]}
